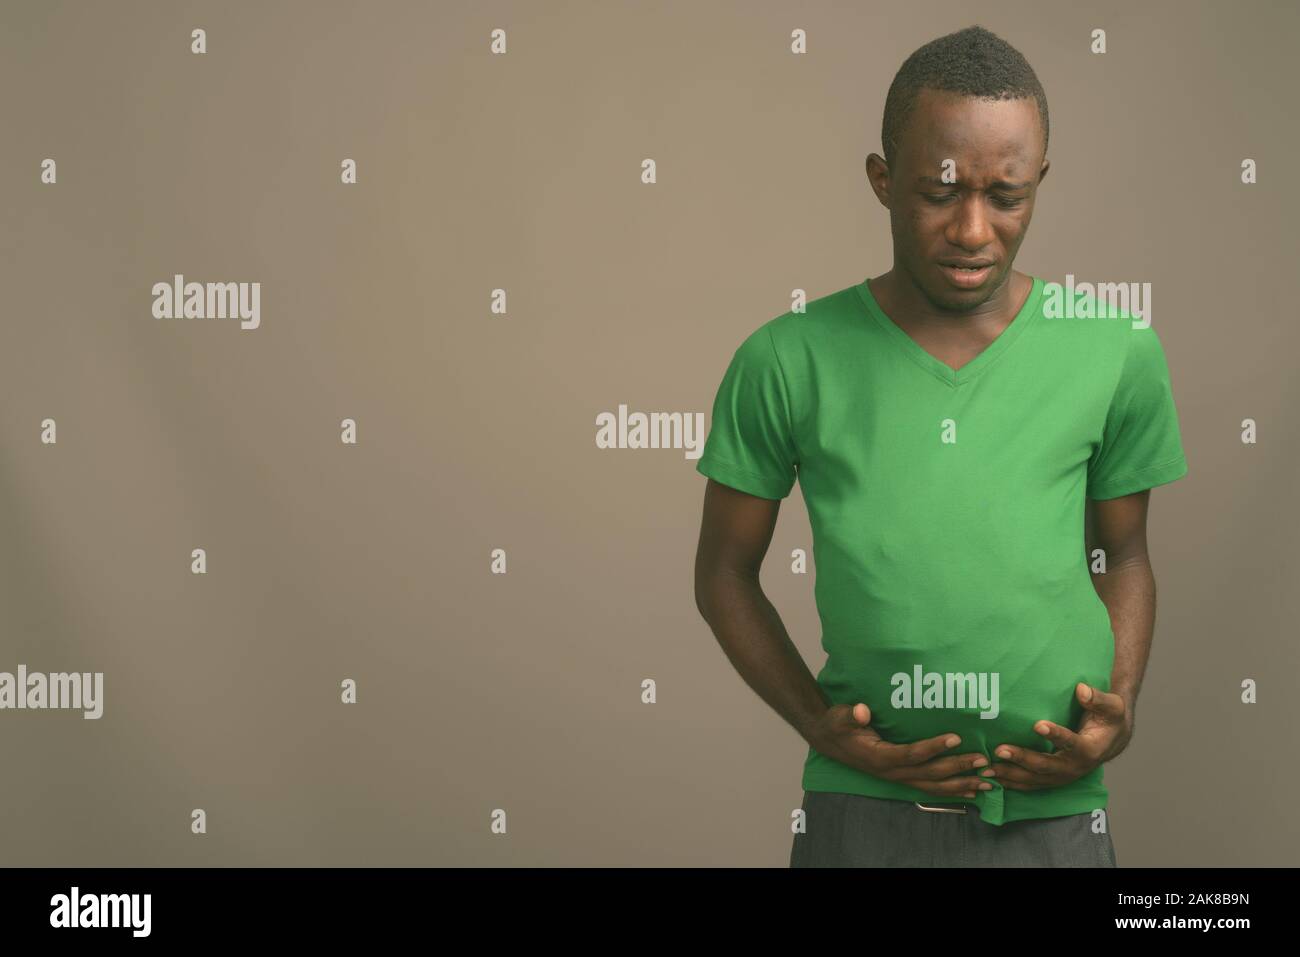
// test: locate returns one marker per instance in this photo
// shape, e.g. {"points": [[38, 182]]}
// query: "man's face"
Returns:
{"points": [[996, 148]]}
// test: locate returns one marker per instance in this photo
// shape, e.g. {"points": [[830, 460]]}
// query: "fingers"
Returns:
{"points": [[937, 768], [1062, 738], [1016, 758], [1018, 779], [952, 787], [1104, 703], [1026, 770], [918, 752]]}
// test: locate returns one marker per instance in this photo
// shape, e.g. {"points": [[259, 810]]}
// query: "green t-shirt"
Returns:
{"points": [[947, 514]]}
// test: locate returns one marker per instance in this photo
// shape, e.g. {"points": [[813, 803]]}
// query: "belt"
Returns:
{"points": [[948, 809]]}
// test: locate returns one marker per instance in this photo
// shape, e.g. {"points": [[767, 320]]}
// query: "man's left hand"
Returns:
{"points": [[1104, 732]]}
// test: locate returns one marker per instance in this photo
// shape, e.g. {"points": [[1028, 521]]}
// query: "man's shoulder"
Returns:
{"points": [[814, 322], [1084, 324], [1095, 308]]}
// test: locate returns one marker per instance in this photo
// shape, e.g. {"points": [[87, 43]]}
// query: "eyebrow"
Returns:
{"points": [[1000, 184]]}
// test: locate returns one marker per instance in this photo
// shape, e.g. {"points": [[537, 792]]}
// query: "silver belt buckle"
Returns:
{"points": [[960, 809]]}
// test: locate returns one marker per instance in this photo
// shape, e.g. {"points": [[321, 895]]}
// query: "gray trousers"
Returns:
{"points": [[852, 830]]}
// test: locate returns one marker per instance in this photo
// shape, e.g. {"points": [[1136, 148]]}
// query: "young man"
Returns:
{"points": [[976, 472]]}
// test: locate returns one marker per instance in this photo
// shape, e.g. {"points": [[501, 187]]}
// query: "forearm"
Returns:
{"points": [[756, 642], [1129, 593]]}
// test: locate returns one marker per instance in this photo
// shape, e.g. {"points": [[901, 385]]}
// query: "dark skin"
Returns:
{"points": [[999, 156]]}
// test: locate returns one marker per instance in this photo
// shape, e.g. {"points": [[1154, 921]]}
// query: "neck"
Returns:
{"points": [[907, 304]]}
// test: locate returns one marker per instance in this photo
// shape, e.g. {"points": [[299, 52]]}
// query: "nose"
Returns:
{"points": [[970, 228]]}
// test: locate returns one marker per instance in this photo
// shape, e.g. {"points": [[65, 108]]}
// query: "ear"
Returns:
{"points": [[878, 177]]}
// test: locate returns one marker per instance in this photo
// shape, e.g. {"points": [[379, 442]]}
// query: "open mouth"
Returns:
{"points": [[967, 277]]}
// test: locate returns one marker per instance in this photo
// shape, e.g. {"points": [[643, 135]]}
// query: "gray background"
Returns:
{"points": [[521, 171]]}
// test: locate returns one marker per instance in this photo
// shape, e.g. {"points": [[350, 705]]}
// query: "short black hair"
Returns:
{"points": [[973, 62]]}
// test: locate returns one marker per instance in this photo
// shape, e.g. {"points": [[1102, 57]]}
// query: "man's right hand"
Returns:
{"points": [[844, 733]]}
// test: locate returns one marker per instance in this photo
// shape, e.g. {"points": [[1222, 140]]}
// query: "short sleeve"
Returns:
{"points": [[1141, 446], [750, 445]]}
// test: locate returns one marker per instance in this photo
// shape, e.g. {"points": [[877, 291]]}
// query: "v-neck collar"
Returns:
{"points": [[939, 368]]}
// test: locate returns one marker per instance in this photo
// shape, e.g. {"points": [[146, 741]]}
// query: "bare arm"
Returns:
{"points": [[1128, 587], [734, 536]]}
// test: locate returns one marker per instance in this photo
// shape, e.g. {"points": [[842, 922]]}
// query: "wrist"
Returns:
{"points": [[812, 728]]}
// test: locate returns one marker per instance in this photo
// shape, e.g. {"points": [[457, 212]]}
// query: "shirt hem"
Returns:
{"points": [[994, 806], [735, 477], [1140, 480]]}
